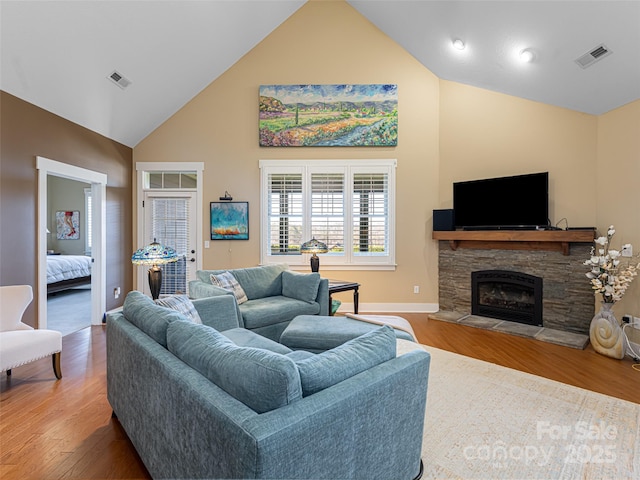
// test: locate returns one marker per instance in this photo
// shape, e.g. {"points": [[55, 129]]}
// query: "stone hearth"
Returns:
{"points": [[558, 337], [568, 302]]}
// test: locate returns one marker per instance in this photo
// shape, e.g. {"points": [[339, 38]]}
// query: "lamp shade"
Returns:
{"points": [[314, 246], [154, 254]]}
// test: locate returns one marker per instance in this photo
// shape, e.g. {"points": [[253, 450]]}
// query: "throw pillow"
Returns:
{"points": [[227, 281], [355, 356], [301, 286], [261, 379], [150, 318], [182, 304]]}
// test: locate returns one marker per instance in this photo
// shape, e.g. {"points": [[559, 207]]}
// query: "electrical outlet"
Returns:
{"points": [[627, 250], [636, 322], [116, 292], [627, 318], [416, 289]]}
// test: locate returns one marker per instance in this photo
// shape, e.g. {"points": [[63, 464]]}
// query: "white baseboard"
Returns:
{"points": [[390, 307]]}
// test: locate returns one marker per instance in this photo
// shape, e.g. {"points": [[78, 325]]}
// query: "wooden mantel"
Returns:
{"points": [[552, 240]]}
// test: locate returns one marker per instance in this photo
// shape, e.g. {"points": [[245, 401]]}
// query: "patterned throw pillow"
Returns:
{"points": [[227, 281], [182, 304]]}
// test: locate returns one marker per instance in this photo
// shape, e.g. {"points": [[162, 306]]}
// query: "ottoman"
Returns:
{"points": [[318, 333]]}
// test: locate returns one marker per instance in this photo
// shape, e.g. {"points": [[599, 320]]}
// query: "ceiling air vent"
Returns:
{"points": [[119, 80], [597, 53]]}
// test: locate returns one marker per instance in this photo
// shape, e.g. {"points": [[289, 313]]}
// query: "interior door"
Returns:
{"points": [[169, 220]]}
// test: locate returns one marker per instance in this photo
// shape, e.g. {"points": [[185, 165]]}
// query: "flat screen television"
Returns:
{"points": [[517, 202]]}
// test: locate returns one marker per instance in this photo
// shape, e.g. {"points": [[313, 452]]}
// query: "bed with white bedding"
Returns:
{"points": [[67, 271]]}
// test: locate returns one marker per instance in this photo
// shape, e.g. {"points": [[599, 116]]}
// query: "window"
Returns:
{"points": [[347, 204], [170, 219]]}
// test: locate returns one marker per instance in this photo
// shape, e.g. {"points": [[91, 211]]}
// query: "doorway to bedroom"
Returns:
{"points": [[71, 266], [69, 217]]}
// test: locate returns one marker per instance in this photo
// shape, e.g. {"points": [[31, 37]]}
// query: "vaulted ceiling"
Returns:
{"points": [[58, 54]]}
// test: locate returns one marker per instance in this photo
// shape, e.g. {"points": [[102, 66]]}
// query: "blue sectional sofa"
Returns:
{"points": [[275, 295], [214, 400]]}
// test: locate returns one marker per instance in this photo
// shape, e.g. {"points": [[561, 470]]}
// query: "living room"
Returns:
{"points": [[448, 132]]}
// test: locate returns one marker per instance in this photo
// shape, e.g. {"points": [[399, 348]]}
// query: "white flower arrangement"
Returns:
{"points": [[607, 276]]}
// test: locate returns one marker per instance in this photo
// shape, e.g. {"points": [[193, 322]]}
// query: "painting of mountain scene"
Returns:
{"points": [[328, 115]]}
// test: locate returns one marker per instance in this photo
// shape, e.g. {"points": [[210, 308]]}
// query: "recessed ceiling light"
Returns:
{"points": [[527, 55], [458, 44]]}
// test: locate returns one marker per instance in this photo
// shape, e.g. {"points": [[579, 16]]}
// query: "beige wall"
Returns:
{"points": [[447, 132], [486, 134], [618, 187], [323, 43]]}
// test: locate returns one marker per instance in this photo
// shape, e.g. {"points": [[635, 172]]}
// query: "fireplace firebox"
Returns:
{"points": [[507, 295]]}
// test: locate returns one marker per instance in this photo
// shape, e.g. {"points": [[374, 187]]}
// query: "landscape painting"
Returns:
{"points": [[328, 115]]}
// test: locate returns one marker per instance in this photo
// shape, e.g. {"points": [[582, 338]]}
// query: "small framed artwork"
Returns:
{"points": [[68, 225], [229, 220]]}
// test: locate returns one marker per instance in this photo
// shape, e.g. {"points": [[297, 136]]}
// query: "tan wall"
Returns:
{"points": [[447, 132], [486, 134], [323, 43], [618, 188]]}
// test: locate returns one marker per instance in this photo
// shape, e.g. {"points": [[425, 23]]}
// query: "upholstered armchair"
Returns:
{"points": [[20, 343]]}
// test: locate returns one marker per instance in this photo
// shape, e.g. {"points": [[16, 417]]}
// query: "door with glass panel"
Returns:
{"points": [[169, 220]]}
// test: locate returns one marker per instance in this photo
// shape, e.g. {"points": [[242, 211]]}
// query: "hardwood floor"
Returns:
{"points": [[63, 429]]}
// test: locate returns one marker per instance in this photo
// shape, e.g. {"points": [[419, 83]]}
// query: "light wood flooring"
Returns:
{"points": [[63, 429]]}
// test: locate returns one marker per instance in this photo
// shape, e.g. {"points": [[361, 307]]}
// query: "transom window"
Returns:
{"points": [[347, 204]]}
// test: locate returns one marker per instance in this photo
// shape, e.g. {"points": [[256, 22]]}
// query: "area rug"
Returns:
{"points": [[485, 421]]}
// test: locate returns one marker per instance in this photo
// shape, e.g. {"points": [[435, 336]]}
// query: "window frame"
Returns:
{"points": [[349, 260], [88, 220]]}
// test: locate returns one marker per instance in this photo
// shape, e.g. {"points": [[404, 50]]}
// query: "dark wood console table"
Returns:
{"points": [[342, 286], [552, 240]]}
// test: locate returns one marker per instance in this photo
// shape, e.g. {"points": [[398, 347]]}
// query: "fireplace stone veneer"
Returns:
{"points": [[567, 298]]}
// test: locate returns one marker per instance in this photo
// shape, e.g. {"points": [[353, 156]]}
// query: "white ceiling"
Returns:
{"points": [[58, 54]]}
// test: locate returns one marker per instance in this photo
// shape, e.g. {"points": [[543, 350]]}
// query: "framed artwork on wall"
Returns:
{"points": [[68, 225], [328, 115], [229, 220]]}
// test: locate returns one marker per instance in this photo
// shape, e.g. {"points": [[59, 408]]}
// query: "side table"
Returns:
{"points": [[343, 286]]}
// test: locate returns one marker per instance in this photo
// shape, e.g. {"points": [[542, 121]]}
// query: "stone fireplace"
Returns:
{"points": [[566, 297]]}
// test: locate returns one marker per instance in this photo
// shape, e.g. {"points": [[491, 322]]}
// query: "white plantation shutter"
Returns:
{"points": [[284, 198], [370, 214], [347, 204], [169, 226], [327, 210]]}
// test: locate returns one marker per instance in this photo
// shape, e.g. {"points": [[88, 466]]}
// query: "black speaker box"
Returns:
{"points": [[443, 220]]}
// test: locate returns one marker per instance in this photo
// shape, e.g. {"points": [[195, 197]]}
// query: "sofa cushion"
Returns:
{"points": [[328, 368], [152, 319], [297, 355], [182, 304], [260, 379], [263, 281], [301, 286], [229, 282], [246, 338], [270, 310]]}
